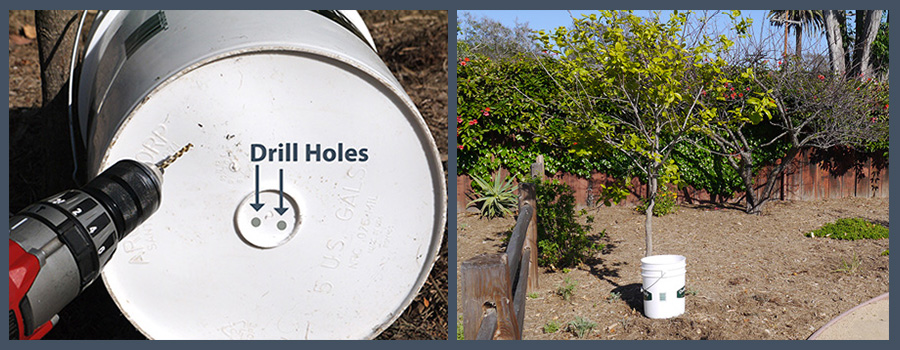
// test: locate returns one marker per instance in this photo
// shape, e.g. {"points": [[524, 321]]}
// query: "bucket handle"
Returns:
{"points": [[73, 124], [662, 273]]}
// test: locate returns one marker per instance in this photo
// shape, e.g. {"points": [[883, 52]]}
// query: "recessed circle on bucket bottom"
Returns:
{"points": [[268, 220]]}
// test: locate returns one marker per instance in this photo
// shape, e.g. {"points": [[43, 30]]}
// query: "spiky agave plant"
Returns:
{"points": [[496, 197]]}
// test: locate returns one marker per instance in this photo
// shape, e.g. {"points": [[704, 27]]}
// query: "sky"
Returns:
{"points": [[551, 19]]}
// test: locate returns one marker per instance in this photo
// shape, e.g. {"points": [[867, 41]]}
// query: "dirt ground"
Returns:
{"points": [[755, 277], [413, 44]]}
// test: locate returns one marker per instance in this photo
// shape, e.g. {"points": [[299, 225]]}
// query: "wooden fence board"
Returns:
{"points": [[528, 198], [486, 284]]}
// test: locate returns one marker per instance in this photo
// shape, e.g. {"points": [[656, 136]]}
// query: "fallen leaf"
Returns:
{"points": [[29, 31], [18, 40], [426, 302]]}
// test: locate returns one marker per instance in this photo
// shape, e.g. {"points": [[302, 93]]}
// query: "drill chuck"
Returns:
{"points": [[59, 245]]}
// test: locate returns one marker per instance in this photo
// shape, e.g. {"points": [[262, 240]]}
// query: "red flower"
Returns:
{"points": [[741, 94], [779, 63], [885, 106], [703, 92], [463, 63], [575, 143], [731, 88], [473, 122], [874, 119], [460, 147], [732, 95], [487, 109], [821, 77], [748, 89], [458, 119], [466, 59]]}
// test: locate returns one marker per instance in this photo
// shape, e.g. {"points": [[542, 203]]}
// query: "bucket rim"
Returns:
{"points": [[665, 259]]}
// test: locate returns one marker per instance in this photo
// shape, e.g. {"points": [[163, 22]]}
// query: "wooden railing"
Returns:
{"points": [[494, 286]]}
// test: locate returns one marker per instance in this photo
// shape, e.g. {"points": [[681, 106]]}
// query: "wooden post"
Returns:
{"points": [[488, 325], [486, 284], [519, 296], [528, 196], [537, 168]]}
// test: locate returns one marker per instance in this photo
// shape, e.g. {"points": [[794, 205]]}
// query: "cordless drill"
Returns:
{"points": [[58, 246]]}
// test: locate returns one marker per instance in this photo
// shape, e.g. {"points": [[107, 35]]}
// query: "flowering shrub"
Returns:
{"points": [[509, 111]]}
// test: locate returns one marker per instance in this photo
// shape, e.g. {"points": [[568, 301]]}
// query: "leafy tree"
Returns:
{"points": [[638, 84], [798, 20], [776, 113], [486, 37]]}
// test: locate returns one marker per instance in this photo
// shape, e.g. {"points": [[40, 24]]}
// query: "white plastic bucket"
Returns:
{"points": [[663, 285], [340, 246]]}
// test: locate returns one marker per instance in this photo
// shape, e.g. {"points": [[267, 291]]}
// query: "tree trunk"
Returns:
{"points": [[772, 179], [799, 32], [746, 173], [835, 42], [867, 23], [785, 55], [648, 223], [56, 36]]}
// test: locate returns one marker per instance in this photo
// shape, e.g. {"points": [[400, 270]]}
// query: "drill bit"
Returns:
{"points": [[163, 164]]}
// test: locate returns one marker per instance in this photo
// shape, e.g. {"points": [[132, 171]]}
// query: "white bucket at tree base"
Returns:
{"points": [[663, 285]]}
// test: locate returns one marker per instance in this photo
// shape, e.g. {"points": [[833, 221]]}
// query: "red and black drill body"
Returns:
{"points": [[58, 246]]}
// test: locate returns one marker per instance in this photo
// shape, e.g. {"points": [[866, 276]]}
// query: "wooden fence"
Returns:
{"points": [[494, 286], [812, 175]]}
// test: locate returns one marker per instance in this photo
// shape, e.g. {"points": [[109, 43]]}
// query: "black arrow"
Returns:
{"points": [[256, 205], [281, 209]]}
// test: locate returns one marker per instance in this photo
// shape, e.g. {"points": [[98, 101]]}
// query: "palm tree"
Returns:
{"points": [[798, 20]]}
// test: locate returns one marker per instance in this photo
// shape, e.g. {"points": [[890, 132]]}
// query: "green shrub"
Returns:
{"points": [[665, 202], [494, 197], [459, 329], [566, 289], [581, 327], [562, 239], [551, 327], [851, 230]]}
